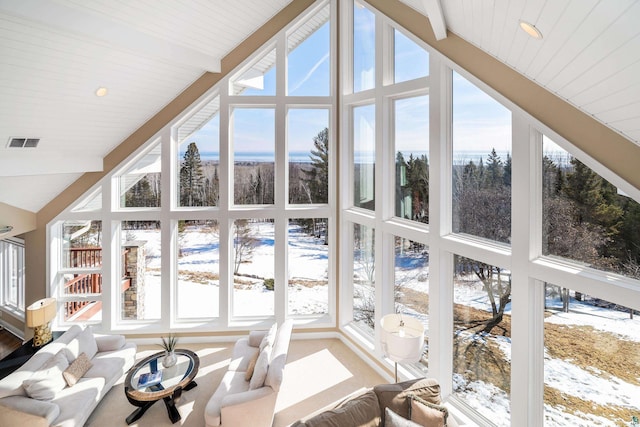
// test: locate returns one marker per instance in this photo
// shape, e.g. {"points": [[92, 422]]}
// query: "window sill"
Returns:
{"points": [[17, 314]]}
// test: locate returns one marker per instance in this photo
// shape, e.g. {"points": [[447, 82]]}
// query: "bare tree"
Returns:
{"points": [[244, 243]]}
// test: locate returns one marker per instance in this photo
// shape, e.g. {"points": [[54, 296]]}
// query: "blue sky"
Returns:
{"points": [[480, 123]]}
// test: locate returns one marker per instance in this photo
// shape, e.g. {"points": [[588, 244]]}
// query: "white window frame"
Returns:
{"points": [[12, 265]]}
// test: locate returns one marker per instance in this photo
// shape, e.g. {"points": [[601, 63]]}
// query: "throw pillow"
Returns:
{"points": [[426, 413], [250, 368], [84, 342], [391, 419], [260, 370], [270, 338], [77, 369], [48, 380]]}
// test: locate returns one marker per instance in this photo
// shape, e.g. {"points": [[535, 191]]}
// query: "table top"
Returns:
{"points": [[178, 375]]}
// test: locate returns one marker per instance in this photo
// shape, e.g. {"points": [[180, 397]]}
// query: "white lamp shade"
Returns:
{"points": [[402, 338], [41, 312]]}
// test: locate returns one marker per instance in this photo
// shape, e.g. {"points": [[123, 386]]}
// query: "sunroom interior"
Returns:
{"points": [[349, 159]]}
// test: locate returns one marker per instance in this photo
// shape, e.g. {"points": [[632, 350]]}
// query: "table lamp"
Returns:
{"points": [[39, 316], [402, 339]]}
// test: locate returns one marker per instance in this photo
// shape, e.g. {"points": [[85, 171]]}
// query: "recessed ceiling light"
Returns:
{"points": [[530, 29], [101, 91]]}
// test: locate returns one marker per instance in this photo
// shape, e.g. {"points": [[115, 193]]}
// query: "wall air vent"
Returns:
{"points": [[23, 142]]}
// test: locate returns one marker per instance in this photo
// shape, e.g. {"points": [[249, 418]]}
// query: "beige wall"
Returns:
{"points": [[611, 149], [21, 220]]}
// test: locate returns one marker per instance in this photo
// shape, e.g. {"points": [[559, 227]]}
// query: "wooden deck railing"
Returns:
{"points": [[85, 257], [90, 283], [81, 284]]}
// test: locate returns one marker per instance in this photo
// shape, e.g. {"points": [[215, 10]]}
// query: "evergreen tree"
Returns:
{"points": [[191, 178], [418, 182], [494, 171], [317, 177], [506, 174], [141, 195]]}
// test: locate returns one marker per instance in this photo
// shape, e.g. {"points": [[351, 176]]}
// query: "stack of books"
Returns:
{"points": [[149, 378]]}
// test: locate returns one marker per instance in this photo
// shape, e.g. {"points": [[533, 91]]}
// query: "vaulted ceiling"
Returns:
{"points": [[55, 54]]}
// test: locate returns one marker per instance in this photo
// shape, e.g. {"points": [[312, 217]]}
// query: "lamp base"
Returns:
{"points": [[42, 335]]}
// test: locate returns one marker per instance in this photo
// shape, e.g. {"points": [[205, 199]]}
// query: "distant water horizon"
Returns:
{"points": [[362, 157], [257, 157]]}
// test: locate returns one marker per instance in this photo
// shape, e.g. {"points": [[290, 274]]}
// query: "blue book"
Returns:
{"points": [[149, 378]]}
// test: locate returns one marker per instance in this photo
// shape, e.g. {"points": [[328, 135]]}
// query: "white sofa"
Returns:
{"points": [[240, 401], [31, 395]]}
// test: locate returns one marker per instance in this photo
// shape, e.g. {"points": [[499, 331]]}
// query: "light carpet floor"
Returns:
{"points": [[318, 374]]}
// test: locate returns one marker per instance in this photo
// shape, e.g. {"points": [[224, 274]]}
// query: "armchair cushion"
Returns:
{"points": [[251, 367], [260, 369], [270, 337]]}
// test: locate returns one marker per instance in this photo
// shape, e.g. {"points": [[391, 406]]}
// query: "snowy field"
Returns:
{"points": [[308, 260]]}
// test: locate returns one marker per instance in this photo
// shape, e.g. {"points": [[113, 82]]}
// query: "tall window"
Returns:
{"points": [[481, 164], [585, 218], [482, 337], [12, 275], [412, 158], [589, 359]]}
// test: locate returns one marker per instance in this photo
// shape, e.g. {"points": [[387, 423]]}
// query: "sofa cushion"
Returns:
{"points": [[394, 420], [362, 411], [109, 342], [426, 413], [260, 369], [76, 403], [84, 342], [45, 383], [77, 369]]}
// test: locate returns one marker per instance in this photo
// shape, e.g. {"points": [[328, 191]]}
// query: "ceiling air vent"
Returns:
{"points": [[23, 142]]}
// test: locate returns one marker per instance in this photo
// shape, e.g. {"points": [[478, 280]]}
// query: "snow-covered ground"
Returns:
{"points": [[308, 260]]}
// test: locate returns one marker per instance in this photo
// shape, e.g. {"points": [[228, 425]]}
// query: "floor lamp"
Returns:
{"points": [[39, 316], [402, 339]]}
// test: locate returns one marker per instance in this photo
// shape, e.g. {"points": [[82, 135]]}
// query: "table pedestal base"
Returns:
{"points": [[169, 402]]}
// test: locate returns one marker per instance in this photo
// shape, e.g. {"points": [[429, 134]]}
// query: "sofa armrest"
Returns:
{"points": [[252, 408], [255, 337], [22, 410]]}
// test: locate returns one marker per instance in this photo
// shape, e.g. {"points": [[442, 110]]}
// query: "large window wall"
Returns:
{"points": [[226, 217], [516, 250]]}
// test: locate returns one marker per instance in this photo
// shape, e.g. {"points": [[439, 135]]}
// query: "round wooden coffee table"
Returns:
{"points": [[174, 380]]}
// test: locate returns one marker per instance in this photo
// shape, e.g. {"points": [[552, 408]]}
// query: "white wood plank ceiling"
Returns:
{"points": [[54, 54], [589, 54]]}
